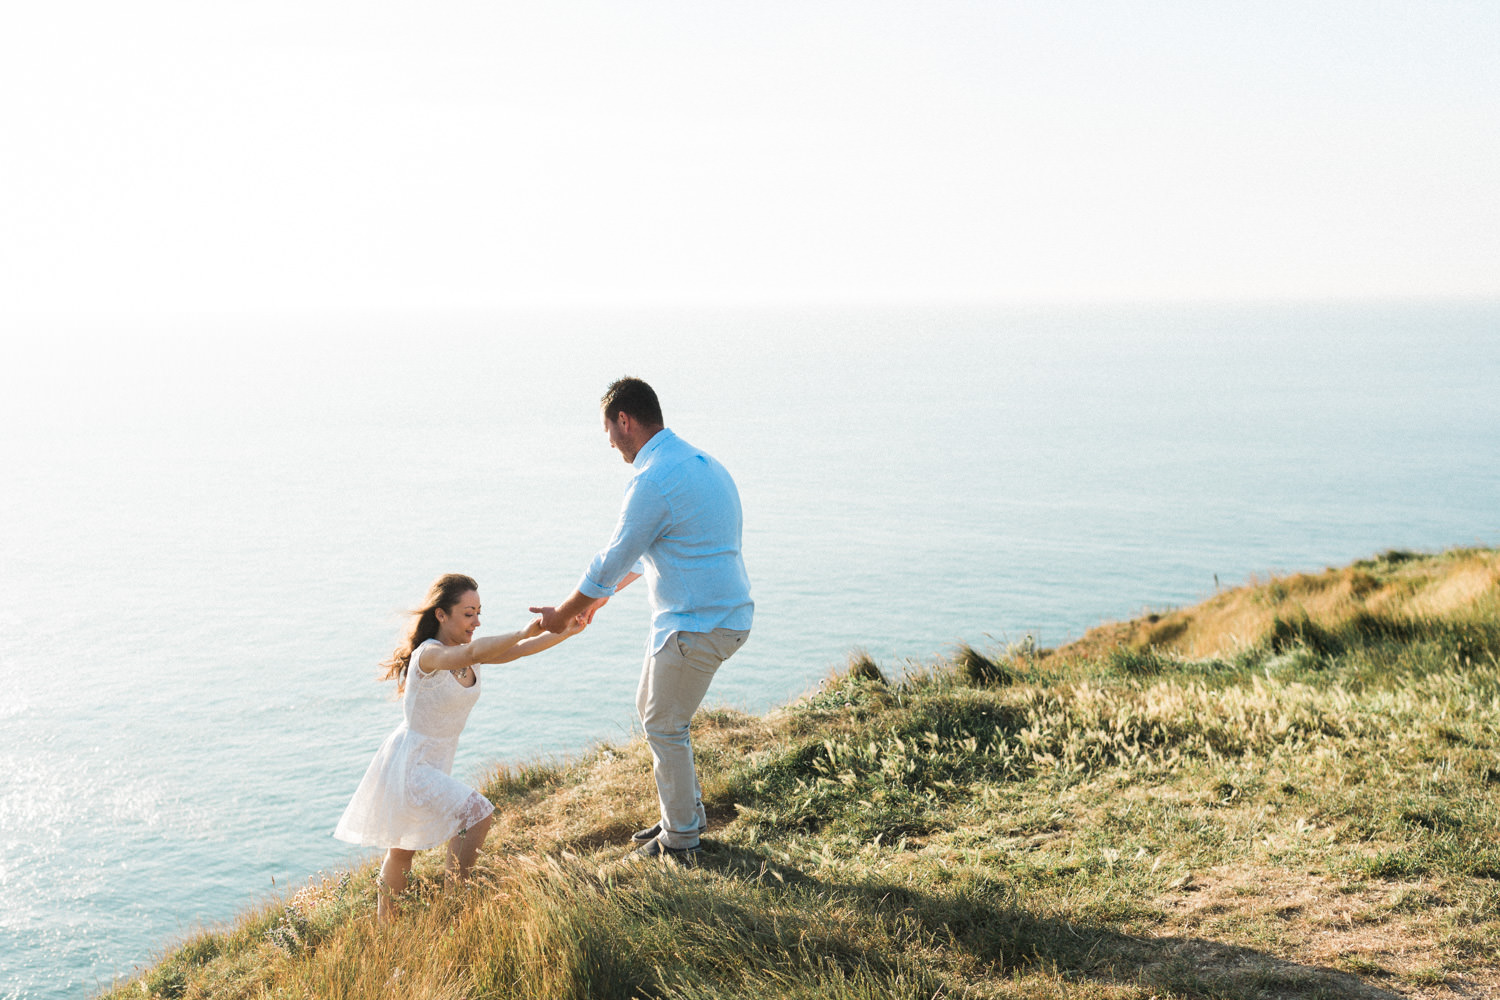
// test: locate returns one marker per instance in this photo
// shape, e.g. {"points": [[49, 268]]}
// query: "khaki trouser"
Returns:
{"points": [[673, 682]]}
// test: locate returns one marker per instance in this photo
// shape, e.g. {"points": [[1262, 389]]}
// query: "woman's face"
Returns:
{"points": [[457, 627]]}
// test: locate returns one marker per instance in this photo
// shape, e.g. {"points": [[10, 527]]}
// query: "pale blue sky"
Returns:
{"points": [[189, 156]]}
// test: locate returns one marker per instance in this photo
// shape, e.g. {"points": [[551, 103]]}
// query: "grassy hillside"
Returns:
{"points": [[1290, 790]]}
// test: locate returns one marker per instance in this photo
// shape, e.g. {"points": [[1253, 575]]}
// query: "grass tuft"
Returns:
{"points": [[862, 668], [977, 670], [1147, 662], [1296, 633]]}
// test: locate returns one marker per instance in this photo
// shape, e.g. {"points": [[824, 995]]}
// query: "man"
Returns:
{"points": [[681, 528]]}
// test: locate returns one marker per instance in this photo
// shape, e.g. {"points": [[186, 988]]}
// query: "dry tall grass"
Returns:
{"points": [[1397, 586]]}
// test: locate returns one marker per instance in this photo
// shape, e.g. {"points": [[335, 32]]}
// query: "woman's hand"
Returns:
{"points": [[533, 628], [578, 624]]}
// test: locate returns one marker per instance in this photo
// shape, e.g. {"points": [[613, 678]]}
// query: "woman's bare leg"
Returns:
{"points": [[393, 873], [464, 848]]}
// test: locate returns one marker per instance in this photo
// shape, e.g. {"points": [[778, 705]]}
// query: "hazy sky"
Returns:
{"points": [[320, 154]]}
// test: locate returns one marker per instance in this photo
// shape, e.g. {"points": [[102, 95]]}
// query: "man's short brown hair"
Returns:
{"points": [[632, 396]]}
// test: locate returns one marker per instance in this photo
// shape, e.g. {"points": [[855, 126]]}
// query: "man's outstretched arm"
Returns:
{"points": [[557, 619]]}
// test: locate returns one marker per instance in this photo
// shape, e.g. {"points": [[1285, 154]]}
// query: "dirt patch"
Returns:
{"points": [[1380, 931]]}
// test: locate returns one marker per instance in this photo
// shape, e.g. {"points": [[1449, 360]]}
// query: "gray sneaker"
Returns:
{"points": [[654, 831], [657, 851]]}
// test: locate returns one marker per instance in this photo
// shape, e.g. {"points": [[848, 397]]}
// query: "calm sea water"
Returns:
{"points": [[208, 530]]}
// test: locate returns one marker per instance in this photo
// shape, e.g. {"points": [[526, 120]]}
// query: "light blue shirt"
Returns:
{"points": [[680, 527]]}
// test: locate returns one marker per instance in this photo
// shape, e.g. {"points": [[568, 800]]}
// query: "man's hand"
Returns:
{"points": [[556, 619], [552, 620]]}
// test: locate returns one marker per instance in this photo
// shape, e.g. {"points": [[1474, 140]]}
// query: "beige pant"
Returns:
{"points": [[673, 683]]}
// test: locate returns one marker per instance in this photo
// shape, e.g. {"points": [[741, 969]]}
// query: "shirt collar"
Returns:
{"points": [[650, 447]]}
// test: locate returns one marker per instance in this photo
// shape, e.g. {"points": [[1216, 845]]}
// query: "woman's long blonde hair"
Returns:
{"points": [[444, 593]]}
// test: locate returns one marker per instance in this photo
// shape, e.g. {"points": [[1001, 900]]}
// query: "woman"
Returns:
{"points": [[408, 800]]}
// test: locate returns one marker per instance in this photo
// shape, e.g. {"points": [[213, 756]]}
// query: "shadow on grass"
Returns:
{"points": [[982, 923]]}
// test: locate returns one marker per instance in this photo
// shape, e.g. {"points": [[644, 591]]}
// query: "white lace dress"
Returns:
{"points": [[408, 799]]}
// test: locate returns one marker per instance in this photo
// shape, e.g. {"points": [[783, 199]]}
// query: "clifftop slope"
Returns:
{"points": [[1290, 790]]}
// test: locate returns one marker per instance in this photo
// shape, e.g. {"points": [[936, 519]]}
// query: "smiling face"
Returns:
{"points": [[457, 627]]}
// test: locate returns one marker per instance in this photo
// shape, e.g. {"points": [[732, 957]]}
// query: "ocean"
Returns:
{"points": [[210, 526]]}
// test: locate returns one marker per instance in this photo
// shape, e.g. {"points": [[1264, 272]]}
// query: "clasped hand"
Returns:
{"points": [[558, 621]]}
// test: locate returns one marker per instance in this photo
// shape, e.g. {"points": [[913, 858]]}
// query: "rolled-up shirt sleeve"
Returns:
{"points": [[642, 519]]}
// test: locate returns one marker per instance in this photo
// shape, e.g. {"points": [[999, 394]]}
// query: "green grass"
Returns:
{"points": [[1315, 815]]}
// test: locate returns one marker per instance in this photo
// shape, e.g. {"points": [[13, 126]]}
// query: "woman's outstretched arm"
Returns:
{"points": [[487, 649], [541, 642]]}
